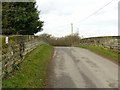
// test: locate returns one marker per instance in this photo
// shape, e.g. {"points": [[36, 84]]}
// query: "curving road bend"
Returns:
{"points": [[74, 67]]}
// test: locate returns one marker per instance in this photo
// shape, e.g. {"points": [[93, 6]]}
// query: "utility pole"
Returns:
{"points": [[71, 28]]}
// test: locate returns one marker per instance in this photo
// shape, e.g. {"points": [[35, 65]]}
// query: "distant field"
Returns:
{"points": [[33, 70], [103, 52]]}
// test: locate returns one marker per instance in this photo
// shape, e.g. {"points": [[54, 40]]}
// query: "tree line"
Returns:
{"points": [[20, 18], [69, 40]]}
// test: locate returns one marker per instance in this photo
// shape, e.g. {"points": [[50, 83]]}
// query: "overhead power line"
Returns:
{"points": [[94, 13], [84, 19]]}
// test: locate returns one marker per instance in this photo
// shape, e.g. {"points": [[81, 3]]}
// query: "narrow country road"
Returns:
{"points": [[74, 67]]}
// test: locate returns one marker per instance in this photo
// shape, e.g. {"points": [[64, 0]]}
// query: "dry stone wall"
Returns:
{"points": [[111, 42], [14, 52]]}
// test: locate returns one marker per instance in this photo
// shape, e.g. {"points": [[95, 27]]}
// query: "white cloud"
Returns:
{"points": [[58, 14]]}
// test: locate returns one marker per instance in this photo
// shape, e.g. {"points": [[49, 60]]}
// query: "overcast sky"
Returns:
{"points": [[59, 14]]}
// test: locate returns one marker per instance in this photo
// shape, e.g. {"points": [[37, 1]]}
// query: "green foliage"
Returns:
{"points": [[33, 70], [20, 18]]}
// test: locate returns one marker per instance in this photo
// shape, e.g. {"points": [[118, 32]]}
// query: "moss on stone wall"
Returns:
{"points": [[13, 52], [111, 42]]}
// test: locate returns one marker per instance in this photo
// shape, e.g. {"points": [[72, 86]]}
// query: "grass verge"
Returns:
{"points": [[107, 53], [33, 70]]}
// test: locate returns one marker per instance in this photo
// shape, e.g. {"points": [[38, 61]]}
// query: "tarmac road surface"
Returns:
{"points": [[74, 67]]}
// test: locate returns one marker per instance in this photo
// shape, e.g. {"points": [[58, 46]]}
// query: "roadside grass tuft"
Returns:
{"points": [[107, 53], [32, 71]]}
